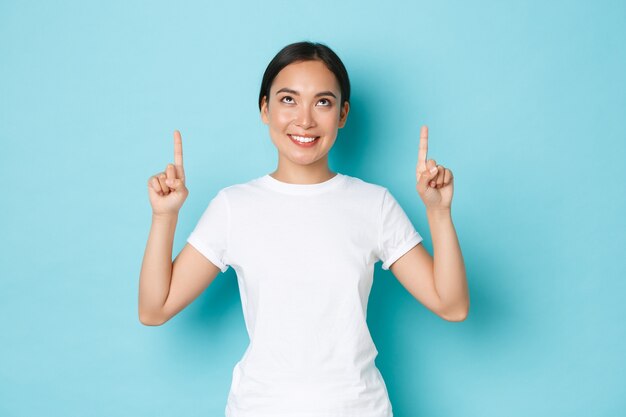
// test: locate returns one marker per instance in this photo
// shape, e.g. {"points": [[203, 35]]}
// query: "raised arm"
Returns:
{"points": [[166, 287], [439, 283]]}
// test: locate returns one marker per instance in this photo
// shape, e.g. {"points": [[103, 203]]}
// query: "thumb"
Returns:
{"points": [[426, 177], [430, 174], [175, 183]]}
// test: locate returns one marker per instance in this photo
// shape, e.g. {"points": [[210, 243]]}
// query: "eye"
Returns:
{"points": [[325, 102], [287, 99]]}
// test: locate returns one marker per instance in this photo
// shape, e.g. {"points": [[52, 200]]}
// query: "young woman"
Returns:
{"points": [[303, 241]]}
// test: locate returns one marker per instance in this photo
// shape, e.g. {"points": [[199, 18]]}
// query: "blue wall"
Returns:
{"points": [[526, 104]]}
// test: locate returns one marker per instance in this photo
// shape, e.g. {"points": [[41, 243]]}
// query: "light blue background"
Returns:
{"points": [[526, 104]]}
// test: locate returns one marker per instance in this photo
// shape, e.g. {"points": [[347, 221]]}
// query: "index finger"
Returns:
{"points": [[423, 147], [178, 150]]}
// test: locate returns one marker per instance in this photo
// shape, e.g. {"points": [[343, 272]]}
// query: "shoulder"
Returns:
{"points": [[244, 193], [361, 186], [240, 187], [375, 195]]}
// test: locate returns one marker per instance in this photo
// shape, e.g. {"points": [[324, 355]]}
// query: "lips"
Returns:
{"points": [[304, 140], [294, 136]]}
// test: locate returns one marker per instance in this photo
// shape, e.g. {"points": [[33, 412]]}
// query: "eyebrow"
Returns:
{"points": [[294, 92]]}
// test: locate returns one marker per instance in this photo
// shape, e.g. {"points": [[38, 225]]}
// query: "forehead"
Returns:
{"points": [[306, 76]]}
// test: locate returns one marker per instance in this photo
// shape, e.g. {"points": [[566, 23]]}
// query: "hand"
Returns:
{"points": [[435, 187], [167, 190]]}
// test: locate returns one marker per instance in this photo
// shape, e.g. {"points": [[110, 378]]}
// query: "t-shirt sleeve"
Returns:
{"points": [[397, 234], [210, 236]]}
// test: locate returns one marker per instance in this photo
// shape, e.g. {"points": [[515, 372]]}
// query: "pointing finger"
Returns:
{"points": [[178, 155], [423, 149]]}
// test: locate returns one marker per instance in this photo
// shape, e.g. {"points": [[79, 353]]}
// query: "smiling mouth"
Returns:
{"points": [[303, 139]]}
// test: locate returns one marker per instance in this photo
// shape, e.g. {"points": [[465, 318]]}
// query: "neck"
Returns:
{"points": [[303, 174]]}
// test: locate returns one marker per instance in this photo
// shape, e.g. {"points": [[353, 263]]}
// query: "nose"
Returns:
{"points": [[305, 118]]}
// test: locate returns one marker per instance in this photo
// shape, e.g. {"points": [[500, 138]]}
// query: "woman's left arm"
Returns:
{"points": [[448, 266], [440, 284]]}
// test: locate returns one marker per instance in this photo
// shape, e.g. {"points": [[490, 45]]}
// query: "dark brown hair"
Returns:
{"points": [[306, 51]]}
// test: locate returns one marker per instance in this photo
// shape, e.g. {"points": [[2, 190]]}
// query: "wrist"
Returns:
{"points": [[439, 213], [164, 217]]}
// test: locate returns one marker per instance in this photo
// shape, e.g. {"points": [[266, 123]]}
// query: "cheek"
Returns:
{"points": [[281, 117], [330, 119]]}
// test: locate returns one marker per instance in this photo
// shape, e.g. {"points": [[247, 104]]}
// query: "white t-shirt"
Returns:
{"points": [[304, 255]]}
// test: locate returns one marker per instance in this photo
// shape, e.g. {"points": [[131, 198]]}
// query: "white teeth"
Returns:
{"points": [[302, 139]]}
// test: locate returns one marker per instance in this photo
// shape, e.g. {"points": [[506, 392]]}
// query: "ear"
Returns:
{"points": [[343, 114], [264, 110]]}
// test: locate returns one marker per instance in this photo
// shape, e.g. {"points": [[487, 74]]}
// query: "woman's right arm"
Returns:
{"points": [[166, 287], [156, 269]]}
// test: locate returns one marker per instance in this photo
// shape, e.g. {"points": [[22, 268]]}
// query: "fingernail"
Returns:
{"points": [[169, 182], [433, 170]]}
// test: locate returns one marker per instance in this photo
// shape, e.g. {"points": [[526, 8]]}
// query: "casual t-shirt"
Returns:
{"points": [[304, 256]]}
